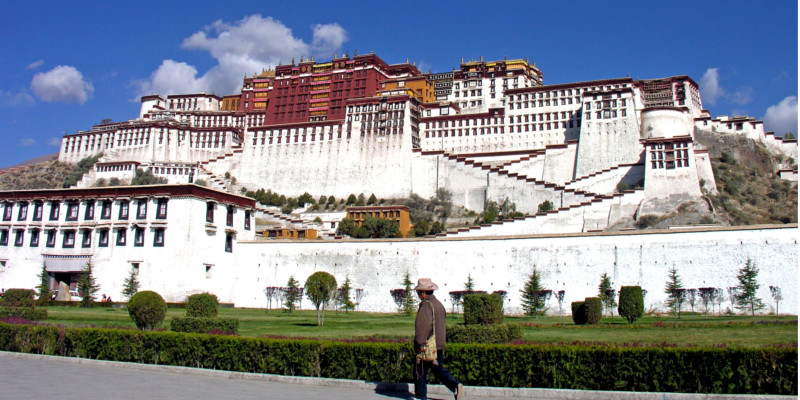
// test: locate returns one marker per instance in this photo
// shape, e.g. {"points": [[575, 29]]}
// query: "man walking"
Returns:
{"points": [[431, 320]]}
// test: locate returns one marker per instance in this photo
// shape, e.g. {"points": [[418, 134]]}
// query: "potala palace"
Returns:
{"points": [[488, 131]]}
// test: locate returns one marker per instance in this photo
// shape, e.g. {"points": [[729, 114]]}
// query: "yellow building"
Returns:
{"points": [[290, 233], [394, 213], [419, 86]]}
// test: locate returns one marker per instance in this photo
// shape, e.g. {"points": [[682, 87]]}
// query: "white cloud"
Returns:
{"points": [[35, 64], [742, 96], [244, 47], [782, 117], [27, 142], [710, 88], [62, 84], [54, 141], [21, 98]]}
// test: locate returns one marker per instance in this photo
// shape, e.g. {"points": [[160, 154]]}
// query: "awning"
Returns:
{"points": [[66, 263]]}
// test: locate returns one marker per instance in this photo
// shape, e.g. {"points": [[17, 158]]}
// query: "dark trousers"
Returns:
{"points": [[421, 375]]}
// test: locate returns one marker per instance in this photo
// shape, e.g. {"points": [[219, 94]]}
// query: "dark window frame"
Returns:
{"points": [[51, 238], [8, 211], [105, 212], [229, 243], [124, 210], [229, 216], [69, 239], [102, 239], [86, 238], [22, 215], [247, 220], [19, 237], [158, 237], [138, 237], [73, 210], [210, 206], [122, 236], [38, 208], [88, 214], [55, 207], [34, 242], [141, 209], [161, 209]]}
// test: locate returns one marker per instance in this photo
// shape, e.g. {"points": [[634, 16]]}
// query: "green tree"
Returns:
{"points": [[674, 291], [361, 200], [408, 302], [607, 293], [545, 206], [320, 289], [372, 200], [131, 285], [304, 199], [631, 303], [746, 298], [87, 286], [789, 136], [469, 286], [44, 284], [374, 227], [323, 200], [490, 212], [146, 177], [351, 199], [533, 303], [292, 297], [343, 297], [347, 226]]}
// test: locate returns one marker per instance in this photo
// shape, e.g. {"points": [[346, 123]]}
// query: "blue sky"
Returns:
{"points": [[68, 65]]}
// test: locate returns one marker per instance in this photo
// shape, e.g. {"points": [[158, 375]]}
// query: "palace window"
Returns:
{"points": [[123, 210], [158, 237], [37, 211], [210, 212], [229, 218], [102, 238], [86, 240], [229, 243], [122, 234], [105, 212], [23, 212], [247, 220], [54, 206], [69, 239], [138, 237], [51, 238], [8, 212], [4, 237], [34, 238], [89, 214], [141, 209], [161, 212], [19, 237]]}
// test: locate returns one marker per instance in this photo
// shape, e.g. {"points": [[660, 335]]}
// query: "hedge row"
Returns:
{"points": [[487, 334], [768, 370], [29, 313], [203, 325]]}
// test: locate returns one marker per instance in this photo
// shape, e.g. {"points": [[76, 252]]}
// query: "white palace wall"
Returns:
{"points": [[572, 263]]}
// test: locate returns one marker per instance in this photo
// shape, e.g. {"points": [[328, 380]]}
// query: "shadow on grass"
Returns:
{"points": [[305, 324]]}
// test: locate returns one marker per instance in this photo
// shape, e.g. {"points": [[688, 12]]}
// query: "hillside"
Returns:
{"points": [[44, 175], [749, 190]]}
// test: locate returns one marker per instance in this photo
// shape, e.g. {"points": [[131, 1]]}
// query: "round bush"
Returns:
{"points": [[579, 313], [147, 309], [202, 305], [631, 303], [594, 310], [483, 309]]}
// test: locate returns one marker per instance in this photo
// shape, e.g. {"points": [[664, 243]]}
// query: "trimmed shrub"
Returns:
{"points": [[486, 334], [483, 309], [18, 298], [29, 313], [594, 310], [631, 303], [579, 312], [742, 370], [147, 309], [203, 325], [202, 305]]}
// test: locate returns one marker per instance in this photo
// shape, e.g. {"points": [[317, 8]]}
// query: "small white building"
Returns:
{"points": [[155, 231]]}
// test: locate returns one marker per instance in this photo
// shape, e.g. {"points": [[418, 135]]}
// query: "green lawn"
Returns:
{"points": [[688, 330]]}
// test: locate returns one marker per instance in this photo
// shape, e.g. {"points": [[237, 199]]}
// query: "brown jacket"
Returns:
{"points": [[429, 308]]}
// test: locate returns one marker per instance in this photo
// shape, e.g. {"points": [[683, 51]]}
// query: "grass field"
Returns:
{"points": [[688, 330]]}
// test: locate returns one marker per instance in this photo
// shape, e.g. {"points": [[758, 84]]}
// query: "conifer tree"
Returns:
{"points": [[343, 297], [607, 294], [131, 285], [293, 294], [44, 284], [469, 286], [674, 291], [532, 301], [87, 286], [745, 296], [408, 303]]}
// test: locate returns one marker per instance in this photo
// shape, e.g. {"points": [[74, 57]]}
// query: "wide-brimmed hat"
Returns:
{"points": [[426, 284]]}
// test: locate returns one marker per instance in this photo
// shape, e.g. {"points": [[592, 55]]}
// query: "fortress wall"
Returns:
{"points": [[608, 143], [559, 164], [702, 160], [335, 166], [570, 263], [606, 182], [526, 195], [533, 167]]}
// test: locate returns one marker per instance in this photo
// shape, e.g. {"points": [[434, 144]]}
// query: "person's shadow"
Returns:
{"points": [[394, 390]]}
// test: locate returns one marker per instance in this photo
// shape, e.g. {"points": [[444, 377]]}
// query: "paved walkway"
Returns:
{"points": [[27, 376]]}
